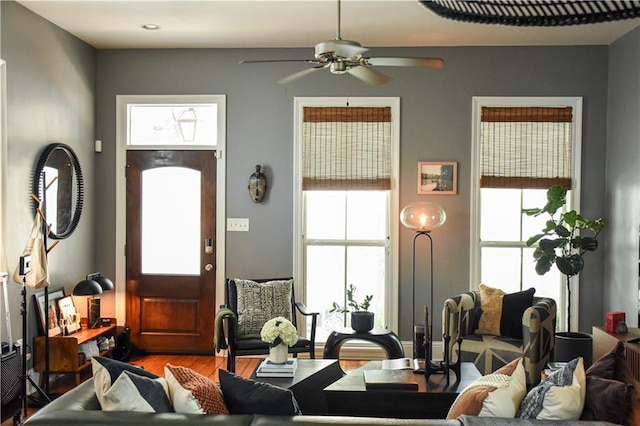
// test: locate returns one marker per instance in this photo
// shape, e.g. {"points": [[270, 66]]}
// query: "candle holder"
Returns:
{"points": [[445, 366]]}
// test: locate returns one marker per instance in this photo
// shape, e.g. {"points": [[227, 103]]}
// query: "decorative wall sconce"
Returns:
{"points": [[257, 185]]}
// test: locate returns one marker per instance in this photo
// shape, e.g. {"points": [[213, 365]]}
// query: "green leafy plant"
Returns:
{"points": [[352, 305], [563, 241]]}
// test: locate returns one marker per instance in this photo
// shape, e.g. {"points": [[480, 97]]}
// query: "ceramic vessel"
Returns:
{"points": [[278, 354], [362, 321]]}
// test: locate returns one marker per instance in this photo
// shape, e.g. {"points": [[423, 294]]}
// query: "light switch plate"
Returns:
{"points": [[238, 224]]}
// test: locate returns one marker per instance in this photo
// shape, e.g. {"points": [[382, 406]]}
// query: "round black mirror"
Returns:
{"points": [[58, 184]]}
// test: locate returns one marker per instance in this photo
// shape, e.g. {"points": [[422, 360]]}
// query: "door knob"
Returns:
{"points": [[208, 267]]}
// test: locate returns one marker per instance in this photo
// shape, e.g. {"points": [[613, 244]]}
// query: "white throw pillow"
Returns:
{"points": [[559, 397]]}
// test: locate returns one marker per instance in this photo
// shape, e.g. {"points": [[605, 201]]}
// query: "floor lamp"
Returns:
{"points": [[423, 217]]}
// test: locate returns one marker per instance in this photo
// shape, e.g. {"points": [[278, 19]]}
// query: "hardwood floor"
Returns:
{"points": [[206, 365]]}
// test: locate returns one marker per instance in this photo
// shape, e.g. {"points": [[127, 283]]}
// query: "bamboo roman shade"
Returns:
{"points": [[526, 147], [346, 148]]}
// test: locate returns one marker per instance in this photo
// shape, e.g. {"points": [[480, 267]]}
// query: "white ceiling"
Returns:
{"points": [[116, 24]]}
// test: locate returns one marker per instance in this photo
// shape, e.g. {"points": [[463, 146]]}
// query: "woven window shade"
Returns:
{"points": [[346, 148], [526, 147]]}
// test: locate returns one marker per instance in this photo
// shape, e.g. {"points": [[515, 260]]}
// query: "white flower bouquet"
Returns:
{"points": [[279, 330]]}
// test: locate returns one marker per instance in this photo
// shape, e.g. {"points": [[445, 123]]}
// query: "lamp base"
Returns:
{"points": [[93, 313]]}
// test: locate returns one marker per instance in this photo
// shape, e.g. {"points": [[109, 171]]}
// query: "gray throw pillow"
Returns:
{"points": [[259, 302]]}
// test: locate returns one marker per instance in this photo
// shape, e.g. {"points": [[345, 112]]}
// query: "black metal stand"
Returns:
{"points": [[26, 377], [431, 367]]}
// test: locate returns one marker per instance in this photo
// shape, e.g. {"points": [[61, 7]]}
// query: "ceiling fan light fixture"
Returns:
{"points": [[338, 67]]}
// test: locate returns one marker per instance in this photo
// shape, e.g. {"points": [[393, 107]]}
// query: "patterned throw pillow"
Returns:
{"points": [[498, 394], [502, 313], [191, 392], [259, 302], [559, 397], [124, 387]]}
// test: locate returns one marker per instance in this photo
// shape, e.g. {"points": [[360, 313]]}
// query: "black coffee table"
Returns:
{"points": [[349, 397], [310, 378]]}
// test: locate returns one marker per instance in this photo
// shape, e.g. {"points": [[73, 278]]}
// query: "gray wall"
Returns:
{"points": [[50, 98], [435, 125], [51, 77], [623, 177]]}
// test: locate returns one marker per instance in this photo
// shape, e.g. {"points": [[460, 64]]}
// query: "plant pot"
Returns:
{"points": [[570, 345], [278, 354], [362, 321]]}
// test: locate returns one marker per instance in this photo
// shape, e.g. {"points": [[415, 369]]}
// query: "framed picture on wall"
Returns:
{"points": [[438, 177], [53, 312]]}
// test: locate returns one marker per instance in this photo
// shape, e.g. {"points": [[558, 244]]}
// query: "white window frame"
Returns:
{"points": [[391, 295], [122, 103], [477, 103], [3, 170]]}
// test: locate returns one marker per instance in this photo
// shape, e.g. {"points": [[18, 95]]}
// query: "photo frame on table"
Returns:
{"points": [[69, 318], [53, 312], [438, 177]]}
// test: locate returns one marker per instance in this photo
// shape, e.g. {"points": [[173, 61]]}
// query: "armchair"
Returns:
{"points": [[251, 303], [490, 352]]}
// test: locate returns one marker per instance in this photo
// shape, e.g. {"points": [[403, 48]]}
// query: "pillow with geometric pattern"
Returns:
{"points": [[259, 302], [114, 390], [559, 397], [191, 392]]}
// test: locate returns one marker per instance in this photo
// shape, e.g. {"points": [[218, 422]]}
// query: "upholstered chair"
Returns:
{"points": [[531, 334], [251, 303]]}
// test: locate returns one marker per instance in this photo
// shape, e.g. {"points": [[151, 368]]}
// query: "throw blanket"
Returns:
{"points": [[219, 341]]}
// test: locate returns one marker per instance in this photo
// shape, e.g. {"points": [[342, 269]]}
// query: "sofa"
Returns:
{"points": [[80, 406]]}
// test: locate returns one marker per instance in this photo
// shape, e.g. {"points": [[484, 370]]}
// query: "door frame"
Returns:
{"points": [[121, 157]]}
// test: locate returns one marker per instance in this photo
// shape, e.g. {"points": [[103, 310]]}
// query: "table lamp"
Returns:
{"points": [[93, 285]]}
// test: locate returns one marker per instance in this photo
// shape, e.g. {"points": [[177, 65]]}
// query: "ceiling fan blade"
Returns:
{"points": [[261, 61], [406, 62], [299, 74], [368, 75]]}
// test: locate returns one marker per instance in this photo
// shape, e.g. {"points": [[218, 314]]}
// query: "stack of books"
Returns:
{"points": [[269, 369]]}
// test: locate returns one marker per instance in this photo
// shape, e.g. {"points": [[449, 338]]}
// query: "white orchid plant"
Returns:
{"points": [[279, 330]]}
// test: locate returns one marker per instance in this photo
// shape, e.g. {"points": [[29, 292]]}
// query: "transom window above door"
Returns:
{"points": [[172, 124]]}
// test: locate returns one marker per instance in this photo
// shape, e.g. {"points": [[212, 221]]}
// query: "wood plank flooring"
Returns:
{"points": [[206, 365]]}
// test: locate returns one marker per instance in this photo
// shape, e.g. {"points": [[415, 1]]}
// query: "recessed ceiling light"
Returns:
{"points": [[151, 27]]}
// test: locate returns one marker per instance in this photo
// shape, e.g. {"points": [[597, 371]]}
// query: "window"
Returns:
{"points": [[521, 147], [346, 165]]}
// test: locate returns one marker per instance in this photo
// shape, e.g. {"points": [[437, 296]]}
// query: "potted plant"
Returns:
{"points": [[564, 241], [361, 318]]}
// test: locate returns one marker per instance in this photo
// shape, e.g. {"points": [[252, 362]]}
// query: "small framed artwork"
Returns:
{"points": [[53, 312], [69, 318], [438, 177]]}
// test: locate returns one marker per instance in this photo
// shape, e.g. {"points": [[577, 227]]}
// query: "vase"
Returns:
{"points": [[278, 354], [362, 321]]}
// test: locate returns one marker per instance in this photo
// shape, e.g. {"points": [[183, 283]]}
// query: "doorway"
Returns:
{"points": [[170, 250]]}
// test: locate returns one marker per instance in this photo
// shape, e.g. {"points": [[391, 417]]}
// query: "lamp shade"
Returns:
{"points": [[104, 282], [422, 216], [87, 287]]}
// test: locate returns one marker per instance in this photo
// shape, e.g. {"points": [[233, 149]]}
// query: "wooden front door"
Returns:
{"points": [[171, 216]]}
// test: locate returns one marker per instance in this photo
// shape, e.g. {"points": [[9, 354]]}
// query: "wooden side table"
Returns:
{"points": [[604, 342]]}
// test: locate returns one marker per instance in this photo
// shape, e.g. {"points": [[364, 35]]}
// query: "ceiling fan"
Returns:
{"points": [[345, 57]]}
